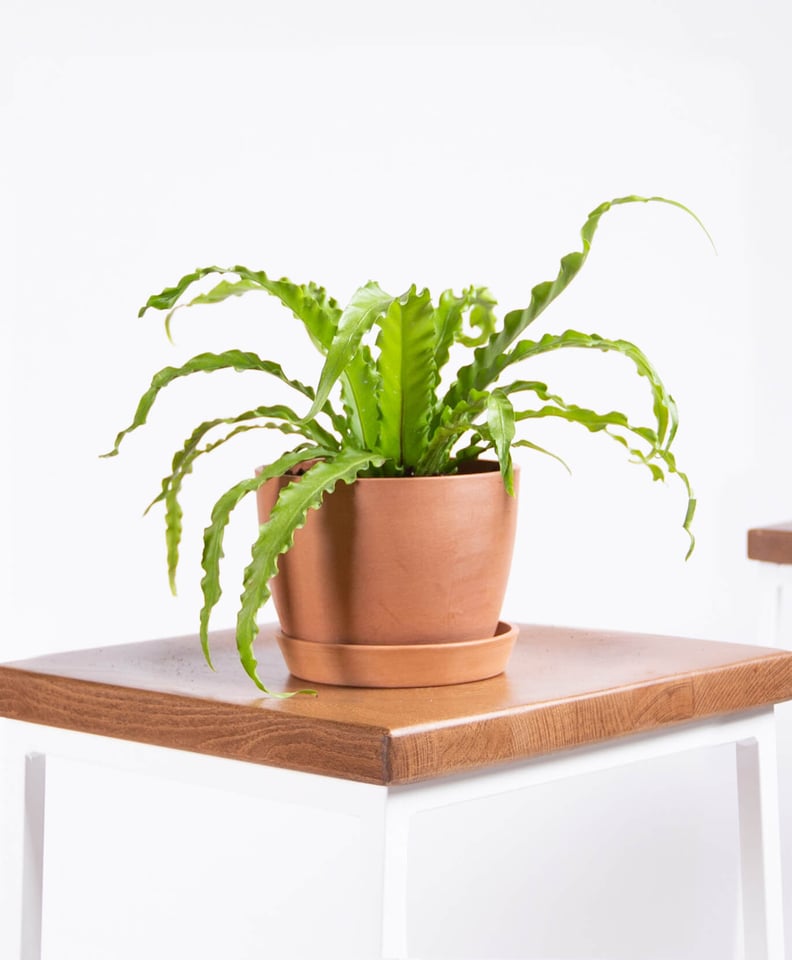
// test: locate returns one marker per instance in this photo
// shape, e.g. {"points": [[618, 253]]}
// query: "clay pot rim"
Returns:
{"points": [[486, 468]]}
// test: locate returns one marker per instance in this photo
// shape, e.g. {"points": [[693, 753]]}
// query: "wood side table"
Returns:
{"points": [[572, 702], [772, 546]]}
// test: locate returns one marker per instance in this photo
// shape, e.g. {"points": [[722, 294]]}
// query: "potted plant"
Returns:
{"points": [[399, 432]]}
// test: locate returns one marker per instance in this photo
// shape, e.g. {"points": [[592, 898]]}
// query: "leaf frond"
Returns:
{"points": [[486, 367], [277, 535], [204, 363], [215, 532], [184, 459]]}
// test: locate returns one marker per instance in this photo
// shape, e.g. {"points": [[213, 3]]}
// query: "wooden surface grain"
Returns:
{"points": [[771, 544], [564, 687]]}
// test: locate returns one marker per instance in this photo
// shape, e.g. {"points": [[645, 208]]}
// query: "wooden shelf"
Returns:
{"points": [[771, 544], [563, 688]]}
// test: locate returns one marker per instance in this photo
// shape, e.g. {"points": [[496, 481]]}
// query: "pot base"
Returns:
{"points": [[398, 665]]}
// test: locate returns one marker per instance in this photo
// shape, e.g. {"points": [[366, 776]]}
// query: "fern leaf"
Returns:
{"points": [[361, 386], [663, 405], [538, 449], [659, 460], [454, 423], [368, 303], [277, 535], [486, 365], [449, 320], [204, 363], [500, 424], [308, 302], [183, 460], [168, 297], [406, 365], [215, 532]]}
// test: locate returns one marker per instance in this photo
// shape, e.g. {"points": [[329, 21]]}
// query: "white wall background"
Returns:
{"points": [[436, 143], [441, 144]]}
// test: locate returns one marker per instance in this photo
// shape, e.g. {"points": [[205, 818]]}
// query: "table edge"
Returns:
{"points": [[367, 764], [771, 544], [385, 756]]}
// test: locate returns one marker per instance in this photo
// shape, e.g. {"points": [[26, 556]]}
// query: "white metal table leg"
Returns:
{"points": [[775, 614], [396, 833], [22, 799], [12, 805], [775, 630], [771, 602], [33, 855], [762, 896]]}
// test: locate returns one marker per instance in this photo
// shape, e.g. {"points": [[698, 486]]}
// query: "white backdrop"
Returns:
{"points": [[437, 143], [440, 144]]}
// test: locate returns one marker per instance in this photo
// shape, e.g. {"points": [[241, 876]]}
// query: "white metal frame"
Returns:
{"points": [[775, 630], [385, 814], [776, 579]]}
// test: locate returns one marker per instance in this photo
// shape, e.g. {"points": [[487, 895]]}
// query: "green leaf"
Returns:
{"points": [[547, 453], [407, 369], [219, 293], [449, 318], [486, 365], [500, 424], [590, 419], [454, 423], [222, 291], [308, 302], [286, 421], [663, 405], [448, 324], [472, 451], [361, 386], [659, 460], [168, 297], [482, 316], [215, 532], [368, 303], [277, 535], [691, 510], [204, 363]]}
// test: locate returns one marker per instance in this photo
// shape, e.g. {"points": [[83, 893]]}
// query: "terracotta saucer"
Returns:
{"points": [[394, 665]]}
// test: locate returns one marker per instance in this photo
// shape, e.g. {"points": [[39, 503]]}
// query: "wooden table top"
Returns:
{"points": [[771, 544], [564, 687]]}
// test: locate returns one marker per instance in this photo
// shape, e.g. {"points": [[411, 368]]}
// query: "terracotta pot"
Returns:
{"points": [[398, 561]]}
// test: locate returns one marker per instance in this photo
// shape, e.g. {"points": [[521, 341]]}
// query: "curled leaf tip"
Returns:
{"points": [[692, 546], [288, 694], [276, 694], [168, 332], [687, 210]]}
